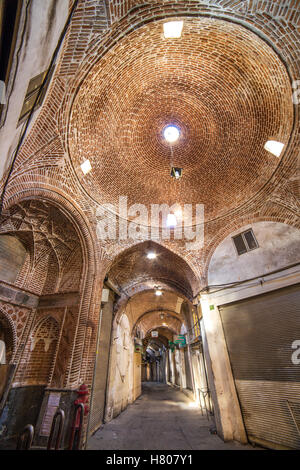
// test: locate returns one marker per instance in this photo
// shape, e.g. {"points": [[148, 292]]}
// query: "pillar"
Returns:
{"points": [[229, 419]]}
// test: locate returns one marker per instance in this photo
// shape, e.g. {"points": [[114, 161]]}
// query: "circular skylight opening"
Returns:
{"points": [[171, 134]]}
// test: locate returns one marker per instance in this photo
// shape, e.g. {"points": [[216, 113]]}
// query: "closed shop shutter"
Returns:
{"points": [[259, 333]]}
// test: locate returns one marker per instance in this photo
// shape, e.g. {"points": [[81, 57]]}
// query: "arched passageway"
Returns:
{"points": [[42, 287], [154, 334], [150, 215]]}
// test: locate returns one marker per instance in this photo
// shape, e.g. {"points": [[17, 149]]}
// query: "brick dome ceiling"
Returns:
{"points": [[225, 89]]}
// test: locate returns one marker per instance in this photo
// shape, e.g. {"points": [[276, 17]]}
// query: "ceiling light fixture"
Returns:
{"points": [[158, 292], [151, 255], [173, 29], [274, 147], [171, 134], [86, 167]]}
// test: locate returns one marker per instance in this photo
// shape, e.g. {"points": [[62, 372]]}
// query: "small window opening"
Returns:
{"points": [[245, 242], [33, 89]]}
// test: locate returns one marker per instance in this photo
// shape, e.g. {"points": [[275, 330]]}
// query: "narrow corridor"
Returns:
{"points": [[162, 418]]}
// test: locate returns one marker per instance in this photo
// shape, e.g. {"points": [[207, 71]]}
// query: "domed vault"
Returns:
{"points": [[221, 85]]}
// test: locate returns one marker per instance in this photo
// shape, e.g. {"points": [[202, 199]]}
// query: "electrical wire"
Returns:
{"points": [[234, 284], [231, 285]]}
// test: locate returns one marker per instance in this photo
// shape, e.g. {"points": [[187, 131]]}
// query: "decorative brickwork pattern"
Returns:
{"points": [[39, 353], [273, 21], [133, 267], [17, 318], [46, 332], [52, 243], [118, 123], [117, 83]]}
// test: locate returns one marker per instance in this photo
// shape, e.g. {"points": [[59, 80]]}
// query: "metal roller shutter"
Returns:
{"points": [[259, 332]]}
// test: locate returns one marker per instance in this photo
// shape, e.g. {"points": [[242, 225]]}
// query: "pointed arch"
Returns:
{"points": [[132, 271], [8, 334], [47, 330]]}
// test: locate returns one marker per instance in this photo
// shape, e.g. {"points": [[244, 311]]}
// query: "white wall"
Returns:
{"points": [[279, 246], [121, 382], [45, 22]]}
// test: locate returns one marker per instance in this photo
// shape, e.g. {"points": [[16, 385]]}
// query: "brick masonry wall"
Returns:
{"points": [[52, 211], [277, 23]]}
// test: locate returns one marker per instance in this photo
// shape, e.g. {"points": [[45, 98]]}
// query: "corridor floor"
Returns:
{"points": [[161, 419]]}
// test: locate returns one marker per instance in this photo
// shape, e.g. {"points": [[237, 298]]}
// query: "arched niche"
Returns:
{"points": [[7, 338], [12, 257]]}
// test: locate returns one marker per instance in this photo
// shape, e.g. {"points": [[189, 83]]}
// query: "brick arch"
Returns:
{"points": [[179, 275], [234, 226], [91, 253], [10, 335], [170, 313], [72, 211], [152, 320], [171, 328], [164, 336]]}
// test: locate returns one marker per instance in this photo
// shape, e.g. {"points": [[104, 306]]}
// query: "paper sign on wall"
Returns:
{"points": [[52, 405]]}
